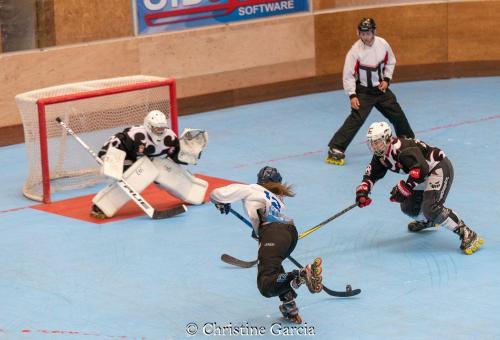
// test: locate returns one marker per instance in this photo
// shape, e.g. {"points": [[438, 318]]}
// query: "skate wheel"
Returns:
{"points": [[348, 288], [317, 271], [474, 247], [334, 161], [318, 261]]}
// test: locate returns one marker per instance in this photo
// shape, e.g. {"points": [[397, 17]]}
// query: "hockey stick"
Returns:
{"points": [[328, 220], [248, 264], [237, 262], [347, 293], [131, 192]]}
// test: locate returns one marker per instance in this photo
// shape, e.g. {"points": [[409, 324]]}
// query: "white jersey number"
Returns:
{"points": [[273, 213]]}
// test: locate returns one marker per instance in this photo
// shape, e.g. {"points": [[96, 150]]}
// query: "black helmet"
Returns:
{"points": [[268, 174], [367, 24]]}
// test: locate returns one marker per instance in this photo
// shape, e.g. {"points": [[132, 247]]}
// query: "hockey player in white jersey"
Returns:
{"points": [[150, 153], [277, 236], [422, 195]]}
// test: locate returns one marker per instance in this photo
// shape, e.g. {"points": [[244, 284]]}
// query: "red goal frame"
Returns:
{"points": [[44, 102]]}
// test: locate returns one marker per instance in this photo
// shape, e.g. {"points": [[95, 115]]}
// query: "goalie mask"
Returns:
{"points": [[156, 125], [268, 174], [378, 137]]}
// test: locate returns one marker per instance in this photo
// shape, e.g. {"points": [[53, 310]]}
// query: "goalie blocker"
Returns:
{"points": [[166, 173]]}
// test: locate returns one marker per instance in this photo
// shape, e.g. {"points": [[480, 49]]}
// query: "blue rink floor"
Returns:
{"points": [[62, 278]]}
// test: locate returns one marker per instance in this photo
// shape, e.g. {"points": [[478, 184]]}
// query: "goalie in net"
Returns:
{"points": [[149, 153]]}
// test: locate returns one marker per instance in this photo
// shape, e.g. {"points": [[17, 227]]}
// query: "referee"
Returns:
{"points": [[368, 70]]}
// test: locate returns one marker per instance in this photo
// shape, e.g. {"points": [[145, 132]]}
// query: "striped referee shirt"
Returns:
{"points": [[368, 65]]}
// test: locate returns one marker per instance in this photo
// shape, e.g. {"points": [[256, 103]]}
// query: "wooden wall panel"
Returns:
{"points": [[26, 71], [90, 20], [234, 56], [203, 61], [474, 31], [318, 5], [416, 33], [233, 64], [45, 31]]}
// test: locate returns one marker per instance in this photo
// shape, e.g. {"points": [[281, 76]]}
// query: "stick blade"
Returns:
{"points": [[346, 293], [237, 262], [162, 214]]}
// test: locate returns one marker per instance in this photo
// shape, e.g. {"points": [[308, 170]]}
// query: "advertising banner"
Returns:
{"points": [[153, 16]]}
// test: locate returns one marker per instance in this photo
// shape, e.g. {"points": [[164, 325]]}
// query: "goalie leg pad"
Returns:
{"points": [[179, 182], [141, 174]]}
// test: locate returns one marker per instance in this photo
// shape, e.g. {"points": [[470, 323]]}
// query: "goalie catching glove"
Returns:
{"points": [[192, 142], [362, 192]]}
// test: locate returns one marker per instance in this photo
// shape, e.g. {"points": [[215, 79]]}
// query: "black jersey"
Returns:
{"points": [[407, 155], [136, 142]]}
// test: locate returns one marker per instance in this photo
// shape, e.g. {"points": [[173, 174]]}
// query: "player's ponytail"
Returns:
{"points": [[279, 189]]}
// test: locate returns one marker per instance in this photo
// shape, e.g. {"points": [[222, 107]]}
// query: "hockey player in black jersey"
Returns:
{"points": [[277, 235], [148, 153], [422, 195]]}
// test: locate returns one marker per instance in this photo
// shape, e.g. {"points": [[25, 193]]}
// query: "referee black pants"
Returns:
{"points": [[276, 242], [386, 103]]}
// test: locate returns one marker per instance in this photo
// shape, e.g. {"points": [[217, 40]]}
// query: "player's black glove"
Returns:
{"points": [[401, 192], [362, 192], [224, 208]]}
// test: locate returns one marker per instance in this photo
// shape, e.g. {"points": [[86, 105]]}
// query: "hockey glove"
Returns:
{"points": [[400, 192], [362, 192], [224, 208]]}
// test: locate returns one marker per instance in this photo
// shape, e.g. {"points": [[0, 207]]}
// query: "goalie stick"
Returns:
{"points": [[347, 293], [131, 192], [248, 264]]}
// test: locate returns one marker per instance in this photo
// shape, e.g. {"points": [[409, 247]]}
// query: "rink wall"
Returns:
{"points": [[228, 65]]}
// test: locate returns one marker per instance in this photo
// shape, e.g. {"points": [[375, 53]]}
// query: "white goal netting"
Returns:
{"points": [[94, 110]]}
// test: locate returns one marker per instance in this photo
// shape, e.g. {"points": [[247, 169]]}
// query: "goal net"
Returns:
{"points": [[94, 110]]}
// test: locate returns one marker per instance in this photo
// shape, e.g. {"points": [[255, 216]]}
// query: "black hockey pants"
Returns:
{"points": [[429, 197], [276, 242], [386, 103]]}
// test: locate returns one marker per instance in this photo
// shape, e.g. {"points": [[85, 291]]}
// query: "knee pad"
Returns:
{"points": [[180, 182], [141, 174], [262, 285], [435, 212]]}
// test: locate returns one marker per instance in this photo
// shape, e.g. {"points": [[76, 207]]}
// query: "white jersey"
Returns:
{"points": [[368, 65], [260, 205], [136, 142]]}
